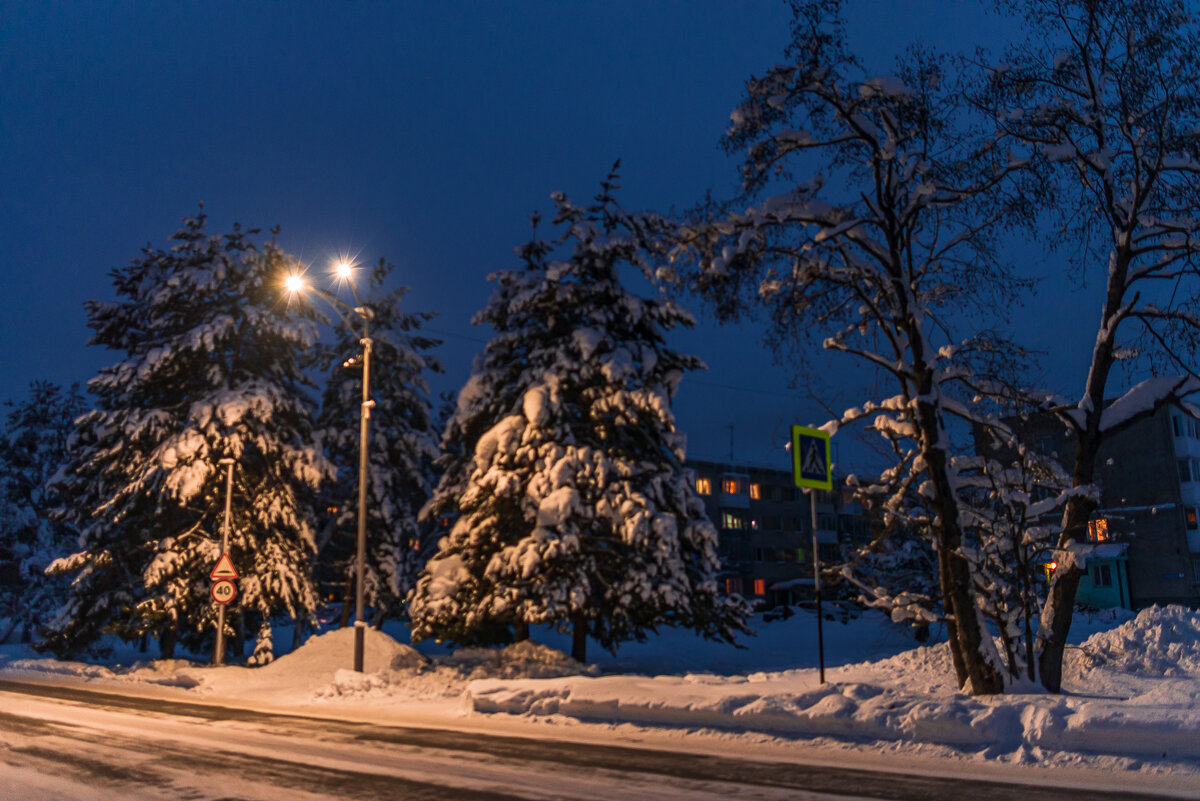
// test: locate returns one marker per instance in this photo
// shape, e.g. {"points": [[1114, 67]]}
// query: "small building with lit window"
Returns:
{"points": [[765, 530]]}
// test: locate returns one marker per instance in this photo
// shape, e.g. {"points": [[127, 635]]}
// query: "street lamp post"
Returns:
{"points": [[296, 284]]}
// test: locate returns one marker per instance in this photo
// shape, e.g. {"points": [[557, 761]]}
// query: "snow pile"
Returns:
{"points": [[528, 660], [334, 651], [411, 674], [1160, 641]]}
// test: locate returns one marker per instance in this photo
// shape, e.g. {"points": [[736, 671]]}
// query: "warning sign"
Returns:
{"points": [[812, 466], [224, 569]]}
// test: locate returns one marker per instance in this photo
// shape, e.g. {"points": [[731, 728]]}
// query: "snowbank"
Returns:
{"points": [[1160, 641], [910, 698], [1132, 689]]}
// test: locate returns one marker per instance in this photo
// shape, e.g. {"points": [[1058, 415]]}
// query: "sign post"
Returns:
{"points": [[812, 469], [224, 590]]}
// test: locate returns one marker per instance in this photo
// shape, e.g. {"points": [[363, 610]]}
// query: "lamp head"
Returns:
{"points": [[344, 270], [295, 284]]}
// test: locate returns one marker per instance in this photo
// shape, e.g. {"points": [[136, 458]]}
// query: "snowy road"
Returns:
{"points": [[69, 743]]}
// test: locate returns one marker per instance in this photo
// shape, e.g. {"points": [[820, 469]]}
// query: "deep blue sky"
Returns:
{"points": [[424, 132]]}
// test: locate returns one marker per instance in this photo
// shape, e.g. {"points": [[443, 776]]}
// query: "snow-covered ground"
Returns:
{"points": [[1131, 706]]}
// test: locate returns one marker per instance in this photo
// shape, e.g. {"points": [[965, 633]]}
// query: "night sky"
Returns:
{"points": [[423, 132]]}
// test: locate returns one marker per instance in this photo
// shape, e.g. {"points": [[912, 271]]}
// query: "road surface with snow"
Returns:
{"points": [[73, 743]]}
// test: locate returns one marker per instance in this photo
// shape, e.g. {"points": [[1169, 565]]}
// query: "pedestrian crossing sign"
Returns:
{"points": [[812, 465]]}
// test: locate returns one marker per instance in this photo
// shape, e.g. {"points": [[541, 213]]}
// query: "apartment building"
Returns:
{"points": [[1148, 524], [765, 529]]}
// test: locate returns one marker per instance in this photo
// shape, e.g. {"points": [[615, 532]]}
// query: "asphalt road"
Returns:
{"points": [[72, 743]]}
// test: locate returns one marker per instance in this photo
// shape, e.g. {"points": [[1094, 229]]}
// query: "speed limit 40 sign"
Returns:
{"points": [[224, 591]]}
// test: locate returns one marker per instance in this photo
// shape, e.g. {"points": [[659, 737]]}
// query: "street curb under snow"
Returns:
{"points": [[1000, 725]]}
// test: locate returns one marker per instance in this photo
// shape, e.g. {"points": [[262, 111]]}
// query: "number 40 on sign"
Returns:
{"points": [[224, 591]]}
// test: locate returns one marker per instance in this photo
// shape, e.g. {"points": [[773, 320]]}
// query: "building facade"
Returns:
{"points": [[765, 529], [1148, 522]]}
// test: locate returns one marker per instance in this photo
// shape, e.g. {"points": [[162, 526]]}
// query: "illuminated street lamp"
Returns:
{"points": [[295, 285]]}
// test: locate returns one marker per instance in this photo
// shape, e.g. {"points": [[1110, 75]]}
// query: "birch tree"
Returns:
{"points": [[1107, 94], [870, 230]]}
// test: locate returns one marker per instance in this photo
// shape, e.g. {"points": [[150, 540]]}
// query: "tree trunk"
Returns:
{"points": [[579, 638], [960, 669], [347, 601], [962, 625], [166, 643], [1060, 604], [984, 678], [520, 631], [239, 637], [297, 633]]}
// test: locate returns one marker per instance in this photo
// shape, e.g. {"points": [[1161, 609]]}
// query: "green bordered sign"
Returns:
{"points": [[812, 466]]}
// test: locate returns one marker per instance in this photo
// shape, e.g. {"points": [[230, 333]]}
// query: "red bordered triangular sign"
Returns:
{"points": [[224, 569]]}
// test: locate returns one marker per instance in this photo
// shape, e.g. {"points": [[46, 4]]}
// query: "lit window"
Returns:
{"points": [[1190, 515], [755, 492], [760, 586], [730, 486], [704, 486], [732, 520], [733, 585], [1098, 530]]}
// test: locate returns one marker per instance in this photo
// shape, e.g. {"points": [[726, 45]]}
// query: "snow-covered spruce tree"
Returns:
{"points": [[564, 466], [401, 450], [1108, 95], [32, 449], [883, 268], [209, 369]]}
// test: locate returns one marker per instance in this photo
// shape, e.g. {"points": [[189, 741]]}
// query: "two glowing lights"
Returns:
{"points": [[296, 283]]}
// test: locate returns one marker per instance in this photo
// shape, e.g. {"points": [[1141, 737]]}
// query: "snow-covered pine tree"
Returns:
{"points": [[1108, 95], [879, 254], [209, 368], [564, 467], [32, 449], [402, 447]]}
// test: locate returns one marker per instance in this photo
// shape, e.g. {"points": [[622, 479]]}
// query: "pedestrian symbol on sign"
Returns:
{"points": [[813, 465]]}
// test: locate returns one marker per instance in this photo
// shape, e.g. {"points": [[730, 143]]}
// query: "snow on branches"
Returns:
{"points": [[563, 466], [883, 251], [402, 445], [1107, 95], [210, 370]]}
